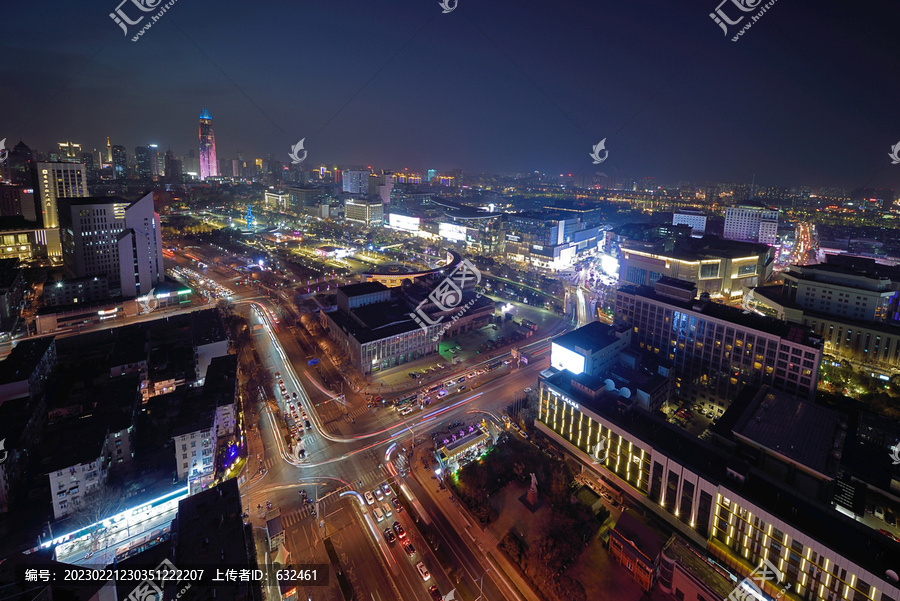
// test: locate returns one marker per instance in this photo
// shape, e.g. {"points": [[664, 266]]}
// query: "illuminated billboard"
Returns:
{"points": [[563, 358], [451, 231], [404, 222]]}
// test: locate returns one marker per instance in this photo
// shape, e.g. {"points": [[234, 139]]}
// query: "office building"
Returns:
{"points": [[355, 182], [380, 186], [300, 198], [88, 289], [209, 165], [119, 161], [113, 237], [693, 218], [717, 350], [276, 201], [853, 303], [142, 164], [722, 268], [20, 165], [157, 163], [591, 349], [69, 152], [56, 181], [431, 174], [364, 212], [173, 168], [752, 224]]}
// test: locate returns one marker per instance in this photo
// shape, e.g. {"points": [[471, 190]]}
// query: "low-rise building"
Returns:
{"points": [[75, 463], [88, 289], [637, 548], [194, 434], [222, 389], [26, 371]]}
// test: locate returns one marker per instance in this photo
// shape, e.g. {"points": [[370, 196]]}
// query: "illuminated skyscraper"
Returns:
{"points": [[142, 163], [120, 161], [55, 181], [69, 152], [209, 166]]}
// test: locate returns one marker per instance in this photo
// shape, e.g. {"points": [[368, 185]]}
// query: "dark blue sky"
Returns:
{"points": [[808, 95]]}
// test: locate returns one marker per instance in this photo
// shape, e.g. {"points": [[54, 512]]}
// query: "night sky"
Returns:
{"points": [[808, 96]]}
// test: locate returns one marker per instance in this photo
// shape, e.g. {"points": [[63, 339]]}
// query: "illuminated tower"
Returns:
{"points": [[209, 167]]}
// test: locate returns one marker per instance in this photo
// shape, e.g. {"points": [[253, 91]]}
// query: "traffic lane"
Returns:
{"points": [[463, 557]]}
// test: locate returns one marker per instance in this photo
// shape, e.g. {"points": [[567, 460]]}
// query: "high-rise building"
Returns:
{"points": [[87, 159], [142, 163], [119, 161], [355, 182], [173, 170], [114, 237], [209, 165], [380, 186], [752, 223], [364, 212], [20, 165], [108, 159], [69, 152], [56, 181], [157, 163], [432, 173]]}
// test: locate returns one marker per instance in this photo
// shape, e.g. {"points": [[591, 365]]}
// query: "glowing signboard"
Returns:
{"points": [[451, 231], [563, 358]]}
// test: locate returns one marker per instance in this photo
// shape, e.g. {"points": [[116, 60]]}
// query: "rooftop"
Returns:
{"points": [[745, 319], [220, 386], [362, 288], [74, 442], [593, 337], [207, 327], [646, 541], [379, 320], [801, 431], [24, 358], [715, 578], [210, 530]]}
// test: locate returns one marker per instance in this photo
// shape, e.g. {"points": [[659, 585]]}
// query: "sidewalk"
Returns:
{"points": [[487, 544]]}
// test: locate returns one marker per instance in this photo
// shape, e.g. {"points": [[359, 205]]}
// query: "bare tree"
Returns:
{"points": [[100, 504]]}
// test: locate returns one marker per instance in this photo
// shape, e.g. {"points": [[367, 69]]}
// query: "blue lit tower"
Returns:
{"points": [[251, 220], [209, 166]]}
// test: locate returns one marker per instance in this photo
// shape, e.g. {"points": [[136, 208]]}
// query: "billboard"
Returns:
{"points": [[404, 222], [453, 232], [563, 358]]}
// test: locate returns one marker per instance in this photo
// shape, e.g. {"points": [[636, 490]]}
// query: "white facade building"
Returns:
{"points": [[754, 224], [695, 219], [195, 451], [69, 485], [113, 237]]}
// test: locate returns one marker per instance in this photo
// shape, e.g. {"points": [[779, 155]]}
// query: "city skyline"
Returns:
{"points": [[502, 89]]}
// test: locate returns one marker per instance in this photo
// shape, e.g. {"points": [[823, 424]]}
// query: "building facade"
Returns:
{"points": [[753, 224], [55, 181], [364, 212], [116, 238], [209, 164], [718, 350]]}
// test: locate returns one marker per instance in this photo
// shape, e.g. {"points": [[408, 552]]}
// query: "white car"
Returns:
{"points": [[527, 390], [379, 495], [369, 498], [423, 571]]}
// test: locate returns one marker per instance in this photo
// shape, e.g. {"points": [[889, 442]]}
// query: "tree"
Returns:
{"points": [[100, 504]]}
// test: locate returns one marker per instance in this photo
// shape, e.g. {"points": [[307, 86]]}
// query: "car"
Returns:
{"points": [[281, 382], [294, 395], [406, 411], [527, 390], [387, 510], [389, 536], [307, 424], [401, 533], [461, 380], [397, 504], [442, 392], [507, 362], [889, 518], [387, 489], [378, 515], [879, 512], [277, 374], [369, 498], [461, 388], [423, 571], [410, 550], [379, 495], [303, 414], [433, 589]]}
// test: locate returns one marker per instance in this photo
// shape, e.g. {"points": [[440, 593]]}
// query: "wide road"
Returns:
{"points": [[342, 456]]}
